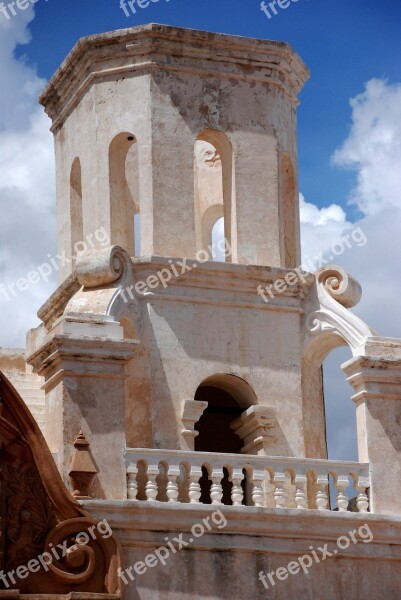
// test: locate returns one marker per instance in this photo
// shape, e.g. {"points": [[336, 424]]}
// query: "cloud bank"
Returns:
{"points": [[27, 189]]}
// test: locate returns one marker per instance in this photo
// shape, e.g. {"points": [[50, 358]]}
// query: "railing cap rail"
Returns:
{"points": [[153, 455]]}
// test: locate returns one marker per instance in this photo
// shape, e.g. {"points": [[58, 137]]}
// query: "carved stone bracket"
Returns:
{"points": [[327, 313], [253, 427], [107, 280], [101, 284]]}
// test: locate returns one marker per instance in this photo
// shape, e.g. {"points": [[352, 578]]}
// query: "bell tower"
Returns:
{"points": [[175, 128], [193, 393]]}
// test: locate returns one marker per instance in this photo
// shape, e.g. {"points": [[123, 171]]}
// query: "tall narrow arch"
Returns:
{"points": [[328, 325], [289, 214], [227, 397], [124, 192], [76, 208], [323, 408], [214, 189]]}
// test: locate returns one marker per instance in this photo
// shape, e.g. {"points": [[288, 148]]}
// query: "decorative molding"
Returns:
{"points": [[108, 270]]}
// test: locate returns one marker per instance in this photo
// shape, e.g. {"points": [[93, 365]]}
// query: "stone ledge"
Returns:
{"points": [[210, 277], [138, 523]]}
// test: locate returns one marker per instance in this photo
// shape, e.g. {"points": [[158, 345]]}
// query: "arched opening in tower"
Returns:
{"points": [[227, 397], [216, 435], [124, 192], [328, 413], [214, 194]]}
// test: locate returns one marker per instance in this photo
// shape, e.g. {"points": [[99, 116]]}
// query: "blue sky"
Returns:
{"points": [[344, 43]]}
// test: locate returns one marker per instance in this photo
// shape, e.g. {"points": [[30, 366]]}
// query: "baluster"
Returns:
{"points": [[301, 500], [362, 500], [194, 492], [342, 499], [258, 491], [172, 486], [237, 493], [132, 483], [322, 499], [279, 493], [151, 486], [216, 490]]}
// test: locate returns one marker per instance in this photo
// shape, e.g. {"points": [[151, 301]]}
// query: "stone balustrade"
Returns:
{"points": [[246, 480]]}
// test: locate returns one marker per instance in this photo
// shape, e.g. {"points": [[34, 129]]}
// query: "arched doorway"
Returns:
{"points": [[215, 433], [228, 397]]}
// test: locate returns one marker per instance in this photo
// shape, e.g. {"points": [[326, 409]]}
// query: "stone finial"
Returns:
{"points": [[82, 469], [252, 427]]}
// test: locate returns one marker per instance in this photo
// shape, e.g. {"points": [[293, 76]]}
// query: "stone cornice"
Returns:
{"points": [[209, 279], [249, 528], [55, 305], [56, 357], [153, 46], [372, 377]]}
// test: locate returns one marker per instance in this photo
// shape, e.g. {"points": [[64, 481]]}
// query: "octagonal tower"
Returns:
{"points": [[145, 119]]}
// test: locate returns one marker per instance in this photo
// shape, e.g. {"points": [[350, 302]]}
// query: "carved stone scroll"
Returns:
{"points": [[328, 318]]}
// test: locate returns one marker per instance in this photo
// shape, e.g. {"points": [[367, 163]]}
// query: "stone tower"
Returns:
{"points": [[195, 390], [128, 109]]}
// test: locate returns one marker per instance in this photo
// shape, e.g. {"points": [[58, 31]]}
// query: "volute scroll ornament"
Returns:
{"points": [[329, 313], [101, 267]]}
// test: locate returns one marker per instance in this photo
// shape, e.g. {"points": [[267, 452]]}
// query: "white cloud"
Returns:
{"points": [[373, 151], [321, 227], [373, 148], [27, 196]]}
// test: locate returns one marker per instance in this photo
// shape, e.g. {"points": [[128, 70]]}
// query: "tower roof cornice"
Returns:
{"points": [[160, 47]]}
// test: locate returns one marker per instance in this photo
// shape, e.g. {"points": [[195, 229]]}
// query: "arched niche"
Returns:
{"points": [[322, 411], [76, 208], [290, 217]]}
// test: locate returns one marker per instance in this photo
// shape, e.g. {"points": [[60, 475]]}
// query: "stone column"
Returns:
{"points": [[83, 362], [376, 379]]}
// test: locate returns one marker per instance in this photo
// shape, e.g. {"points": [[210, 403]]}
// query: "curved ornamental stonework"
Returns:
{"points": [[44, 531]]}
